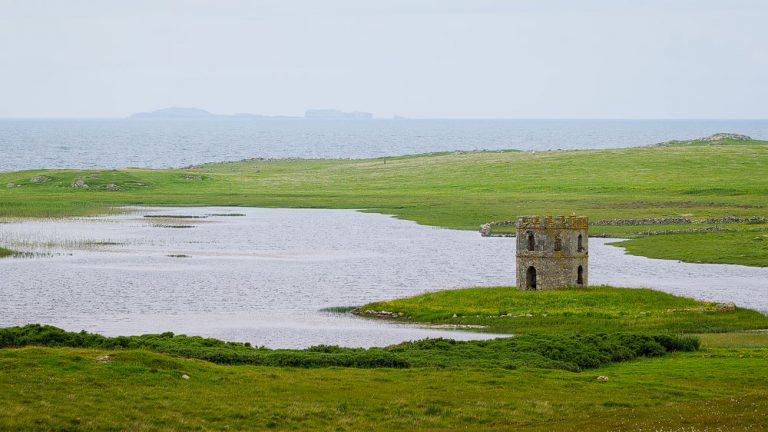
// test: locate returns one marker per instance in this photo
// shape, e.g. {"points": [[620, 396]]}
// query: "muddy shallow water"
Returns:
{"points": [[264, 276]]}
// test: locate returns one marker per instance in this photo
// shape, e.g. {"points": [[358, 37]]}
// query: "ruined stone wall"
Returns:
{"points": [[556, 255]]}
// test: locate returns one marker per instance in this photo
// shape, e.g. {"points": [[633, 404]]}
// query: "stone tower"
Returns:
{"points": [[552, 252]]}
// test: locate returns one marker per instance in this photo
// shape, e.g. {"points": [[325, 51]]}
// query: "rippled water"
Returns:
{"points": [[34, 144], [264, 276]]}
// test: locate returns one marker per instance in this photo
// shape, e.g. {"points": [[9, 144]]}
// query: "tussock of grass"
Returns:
{"points": [[5, 252], [587, 310]]}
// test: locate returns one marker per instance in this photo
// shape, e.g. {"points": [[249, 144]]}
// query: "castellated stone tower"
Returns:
{"points": [[552, 252]]}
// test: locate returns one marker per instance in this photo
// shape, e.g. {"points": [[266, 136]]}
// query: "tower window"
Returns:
{"points": [[558, 243], [580, 276], [580, 245], [531, 241]]}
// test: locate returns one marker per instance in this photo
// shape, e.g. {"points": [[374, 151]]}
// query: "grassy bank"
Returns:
{"points": [[580, 310], [745, 248], [66, 389], [457, 190]]}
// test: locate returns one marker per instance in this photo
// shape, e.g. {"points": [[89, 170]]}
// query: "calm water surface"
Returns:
{"points": [[116, 143], [263, 277]]}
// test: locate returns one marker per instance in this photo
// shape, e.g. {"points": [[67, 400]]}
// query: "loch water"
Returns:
{"points": [[265, 276]]}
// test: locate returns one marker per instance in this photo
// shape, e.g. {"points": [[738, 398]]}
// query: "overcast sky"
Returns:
{"points": [[416, 58]]}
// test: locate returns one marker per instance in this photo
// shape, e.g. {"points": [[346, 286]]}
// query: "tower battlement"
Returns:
{"points": [[553, 222]]}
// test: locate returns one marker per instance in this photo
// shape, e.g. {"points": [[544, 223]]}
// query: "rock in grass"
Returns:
{"points": [[10, 185], [185, 376], [103, 359], [722, 307], [79, 183], [40, 179], [602, 378]]}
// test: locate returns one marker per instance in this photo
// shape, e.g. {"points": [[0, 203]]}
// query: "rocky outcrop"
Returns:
{"points": [[40, 179], [485, 229], [726, 136], [377, 314]]}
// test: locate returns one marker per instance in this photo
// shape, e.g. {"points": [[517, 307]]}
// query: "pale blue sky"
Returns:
{"points": [[416, 58]]}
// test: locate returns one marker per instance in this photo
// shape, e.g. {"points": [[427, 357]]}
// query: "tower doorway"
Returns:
{"points": [[580, 276], [530, 278]]}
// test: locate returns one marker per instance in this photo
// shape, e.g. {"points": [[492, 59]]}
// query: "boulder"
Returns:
{"points": [[79, 183]]}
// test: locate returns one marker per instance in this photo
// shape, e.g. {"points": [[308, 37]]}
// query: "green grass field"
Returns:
{"points": [[457, 190], [66, 389], [721, 386]]}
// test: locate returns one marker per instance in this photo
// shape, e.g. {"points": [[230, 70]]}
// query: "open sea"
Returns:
{"points": [[120, 143]]}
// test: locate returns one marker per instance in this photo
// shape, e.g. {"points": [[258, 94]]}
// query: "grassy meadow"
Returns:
{"points": [[669, 363], [66, 389], [460, 190], [54, 380]]}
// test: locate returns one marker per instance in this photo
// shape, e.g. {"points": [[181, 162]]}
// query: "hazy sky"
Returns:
{"points": [[416, 58]]}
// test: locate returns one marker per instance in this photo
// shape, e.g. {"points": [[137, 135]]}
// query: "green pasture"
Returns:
{"points": [[456, 190], [66, 389]]}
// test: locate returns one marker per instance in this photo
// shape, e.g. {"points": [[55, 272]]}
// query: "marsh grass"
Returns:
{"points": [[338, 309], [175, 216]]}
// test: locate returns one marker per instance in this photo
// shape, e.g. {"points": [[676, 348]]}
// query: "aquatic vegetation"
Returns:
{"points": [[175, 216], [41, 242], [157, 225], [226, 214], [339, 309]]}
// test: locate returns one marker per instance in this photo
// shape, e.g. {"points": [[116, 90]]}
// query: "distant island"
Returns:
{"points": [[198, 114], [336, 114]]}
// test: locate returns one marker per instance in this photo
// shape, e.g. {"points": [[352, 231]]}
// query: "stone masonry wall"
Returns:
{"points": [[556, 256]]}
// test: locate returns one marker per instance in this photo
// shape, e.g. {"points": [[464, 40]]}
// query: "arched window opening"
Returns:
{"points": [[580, 246], [580, 276], [531, 241], [530, 278], [558, 243]]}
